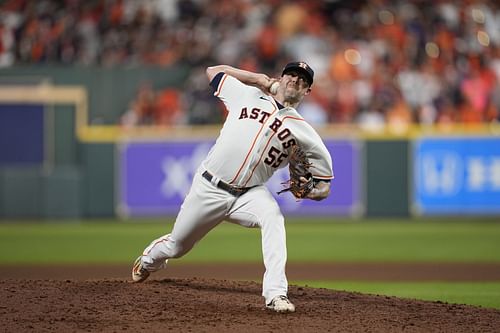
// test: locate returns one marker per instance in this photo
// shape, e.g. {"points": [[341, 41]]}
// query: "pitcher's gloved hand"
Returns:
{"points": [[301, 181]]}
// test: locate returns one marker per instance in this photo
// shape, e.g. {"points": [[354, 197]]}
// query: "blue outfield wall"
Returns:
{"points": [[21, 134]]}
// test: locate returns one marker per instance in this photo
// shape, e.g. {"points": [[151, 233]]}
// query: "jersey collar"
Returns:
{"points": [[280, 106]]}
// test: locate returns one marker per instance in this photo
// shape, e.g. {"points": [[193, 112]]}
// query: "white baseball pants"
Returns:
{"points": [[205, 207]]}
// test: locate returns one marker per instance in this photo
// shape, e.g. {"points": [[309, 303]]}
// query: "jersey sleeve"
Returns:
{"points": [[317, 153], [321, 160], [230, 90]]}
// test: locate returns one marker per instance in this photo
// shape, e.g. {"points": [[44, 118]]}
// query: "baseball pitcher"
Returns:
{"points": [[262, 133]]}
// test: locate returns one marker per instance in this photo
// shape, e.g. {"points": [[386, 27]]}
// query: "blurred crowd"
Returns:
{"points": [[376, 62]]}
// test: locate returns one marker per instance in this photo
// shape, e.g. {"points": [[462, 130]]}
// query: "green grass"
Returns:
{"points": [[111, 241], [373, 241], [484, 294]]}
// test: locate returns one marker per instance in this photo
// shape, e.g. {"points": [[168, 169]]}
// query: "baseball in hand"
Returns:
{"points": [[273, 89]]}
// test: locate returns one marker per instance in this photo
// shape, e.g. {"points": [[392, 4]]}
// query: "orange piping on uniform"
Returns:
{"points": [[324, 177], [221, 83], [284, 118], [253, 144], [302, 119], [158, 242], [294, 118], [263, 150], [260, 158]]}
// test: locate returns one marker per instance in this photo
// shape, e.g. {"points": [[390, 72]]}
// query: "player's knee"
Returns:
{"points": [[275, 212], [272, 214]]}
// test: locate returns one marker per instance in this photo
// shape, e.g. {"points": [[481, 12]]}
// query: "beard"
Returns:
{"points": [[292, 95]]}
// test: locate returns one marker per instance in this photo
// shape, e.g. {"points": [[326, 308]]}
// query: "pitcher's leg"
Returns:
{"points": [[258, 208], [204, 207], [275, 255]]}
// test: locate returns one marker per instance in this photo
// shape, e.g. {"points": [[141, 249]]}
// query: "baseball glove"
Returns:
{"points": [[301, 181]]}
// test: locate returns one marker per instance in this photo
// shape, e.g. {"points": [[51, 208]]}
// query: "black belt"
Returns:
{"points": [[234, 190]]}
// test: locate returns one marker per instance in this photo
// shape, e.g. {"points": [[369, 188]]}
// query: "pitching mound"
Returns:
{"points": [[208, 305]]}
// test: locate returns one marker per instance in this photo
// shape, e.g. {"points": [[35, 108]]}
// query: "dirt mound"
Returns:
{"points": [[209, 305]]}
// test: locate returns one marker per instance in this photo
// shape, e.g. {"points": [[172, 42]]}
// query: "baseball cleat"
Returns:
{"points": [[281, 303], [139, 273]]}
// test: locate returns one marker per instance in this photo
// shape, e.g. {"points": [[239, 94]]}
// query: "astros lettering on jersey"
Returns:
{"points": [[257, 137]]}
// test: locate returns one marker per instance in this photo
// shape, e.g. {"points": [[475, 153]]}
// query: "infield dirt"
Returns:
{"points": [[72, 302]]}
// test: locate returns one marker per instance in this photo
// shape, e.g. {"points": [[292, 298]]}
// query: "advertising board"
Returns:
{"points": [[457, 176], [156, 176]]}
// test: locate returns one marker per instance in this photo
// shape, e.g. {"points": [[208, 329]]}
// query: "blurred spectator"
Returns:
{"points": [[313, 112], [400, 61], [201, 105], [142, 110], [6, 41], [151, 107], [476, 88], [371, 120], [168, 106], [399, 115]]}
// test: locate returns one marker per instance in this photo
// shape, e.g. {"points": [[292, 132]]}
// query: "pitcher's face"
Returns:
{"points": [[295, 85]]}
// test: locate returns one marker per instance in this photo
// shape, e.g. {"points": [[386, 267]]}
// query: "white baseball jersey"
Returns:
{"points": [[257, 137], [254, 142]]}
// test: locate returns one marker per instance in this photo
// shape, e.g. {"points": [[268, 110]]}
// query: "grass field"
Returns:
{"points": [[106, 241], [374, 241], [485, 294]]}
